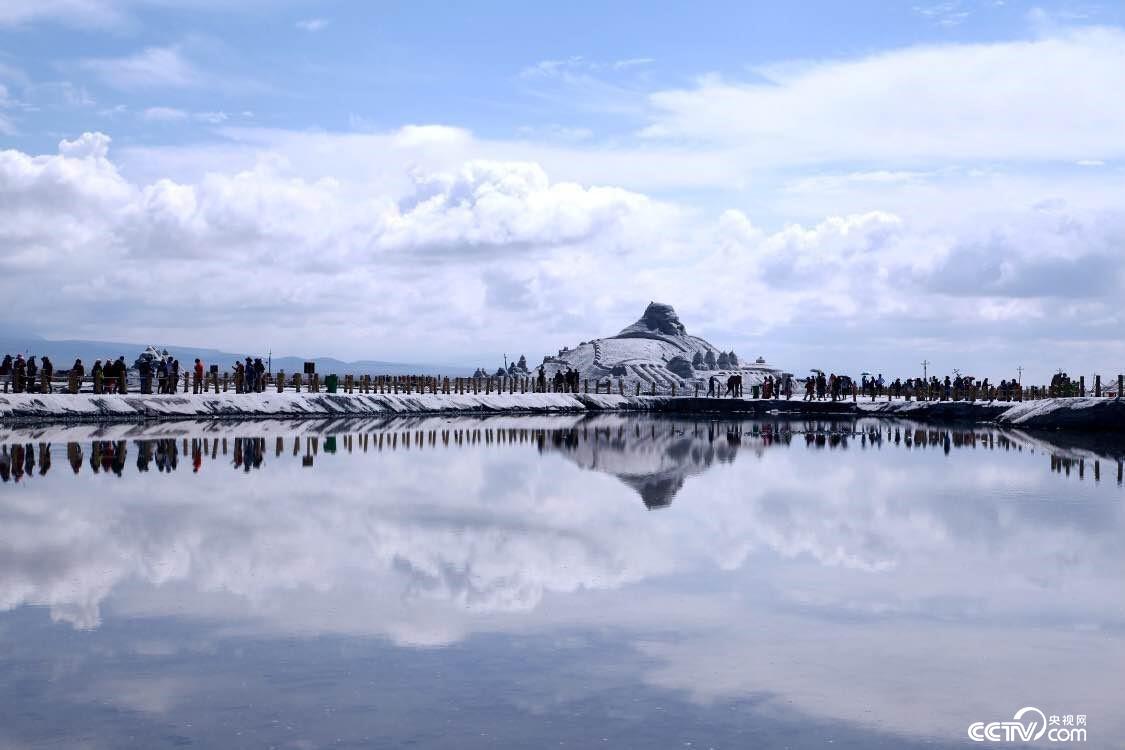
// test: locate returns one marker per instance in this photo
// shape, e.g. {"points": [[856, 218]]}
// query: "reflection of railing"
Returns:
{"points": [[24, 459]]}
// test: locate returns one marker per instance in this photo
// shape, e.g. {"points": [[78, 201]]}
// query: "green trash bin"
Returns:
{"points": [[331, 382]]}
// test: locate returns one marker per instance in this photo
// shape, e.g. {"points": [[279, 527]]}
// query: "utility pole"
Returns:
{"points": [[925, 371], [1020, 371]]}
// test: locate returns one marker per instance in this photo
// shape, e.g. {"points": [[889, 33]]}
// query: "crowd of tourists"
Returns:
{"points": [[562, 382], [32, 374], [20, 374], [834, 387], [26, 375]]}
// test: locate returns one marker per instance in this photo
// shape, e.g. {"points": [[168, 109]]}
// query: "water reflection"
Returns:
{"points": [[869, 582], [652, 456]]}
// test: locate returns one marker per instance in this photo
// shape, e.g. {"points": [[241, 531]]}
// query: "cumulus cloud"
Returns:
{"points": [[523, 259], [320, 243]]}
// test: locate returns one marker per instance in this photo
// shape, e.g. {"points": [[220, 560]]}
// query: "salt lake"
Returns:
{"points": [[612, 580]]}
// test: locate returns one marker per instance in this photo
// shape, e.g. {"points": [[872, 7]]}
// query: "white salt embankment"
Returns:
{"points": [[1100, 414], [24, 407]]}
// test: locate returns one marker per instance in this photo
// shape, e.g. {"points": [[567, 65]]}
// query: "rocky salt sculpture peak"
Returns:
{"points": [[656, 349], [658, 318]]}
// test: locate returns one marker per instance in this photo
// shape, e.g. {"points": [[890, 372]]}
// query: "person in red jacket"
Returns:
{"points": [[197, 385]]}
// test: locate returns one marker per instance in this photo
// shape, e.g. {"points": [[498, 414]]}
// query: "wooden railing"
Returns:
{"points": [[226, 382]]}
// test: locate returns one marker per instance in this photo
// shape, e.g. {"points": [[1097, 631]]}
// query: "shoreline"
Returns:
{"points": [[1081, 414]]}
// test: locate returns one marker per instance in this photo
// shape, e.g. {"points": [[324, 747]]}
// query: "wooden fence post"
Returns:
{"points": [[1098, 386], [1120, 384]]}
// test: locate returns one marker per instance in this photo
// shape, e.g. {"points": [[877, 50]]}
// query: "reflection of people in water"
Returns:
{"points": [[119, 454], [144, 454], [167, 455], [108, 456], [651, 455], [17, 462], [74, 456]]}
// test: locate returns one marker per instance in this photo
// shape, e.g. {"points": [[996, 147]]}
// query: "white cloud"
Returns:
{"points": [[375, 223], [312, 24], [70, 12], [948, 14], [152, 67], [1036, 100], [164, 114], [172, 114], [7, 127], [108, 14]]}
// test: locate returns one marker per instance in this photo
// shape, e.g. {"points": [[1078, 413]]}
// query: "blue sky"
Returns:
{"points": [[845, 185]]}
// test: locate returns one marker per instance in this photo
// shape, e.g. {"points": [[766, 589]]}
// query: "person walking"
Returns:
{"points": [[6, 371], [109, 379], [77, 372], [121, 372], [19, 373], [249, 376], [47, 372], [145, 370], [32, 374], [96, 374]]}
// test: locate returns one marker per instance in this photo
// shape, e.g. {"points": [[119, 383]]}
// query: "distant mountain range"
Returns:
{"points": [[64, 352]]}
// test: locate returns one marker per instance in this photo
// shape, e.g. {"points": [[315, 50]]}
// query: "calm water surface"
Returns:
{"points": [[555, 582]]}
